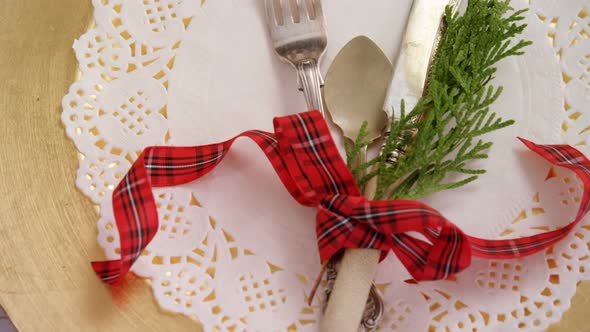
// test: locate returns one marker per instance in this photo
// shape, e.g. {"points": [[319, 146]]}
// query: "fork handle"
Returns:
{"points": [[311, 82]]}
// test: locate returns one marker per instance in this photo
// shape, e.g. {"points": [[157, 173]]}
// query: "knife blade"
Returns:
{"points": [[423, 31]]}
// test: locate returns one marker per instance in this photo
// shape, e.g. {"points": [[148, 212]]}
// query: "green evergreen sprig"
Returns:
{"points": [[455, 109]]}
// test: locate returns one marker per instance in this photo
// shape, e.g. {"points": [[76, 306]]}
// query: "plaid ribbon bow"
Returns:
{"points": [[308, 163]]}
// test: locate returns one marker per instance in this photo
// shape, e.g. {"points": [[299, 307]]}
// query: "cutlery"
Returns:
{"points": [[422, 37], [355, 89], [424, 28], [298, 33], [356, 85]]}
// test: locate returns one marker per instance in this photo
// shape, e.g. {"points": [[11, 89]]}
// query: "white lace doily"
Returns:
{"points": [[234, 250]]}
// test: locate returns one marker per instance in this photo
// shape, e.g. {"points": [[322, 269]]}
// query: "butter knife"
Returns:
{"points": [[421, 39]]}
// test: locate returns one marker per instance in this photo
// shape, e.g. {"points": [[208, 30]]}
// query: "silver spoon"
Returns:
{"points": [[355, 88]]}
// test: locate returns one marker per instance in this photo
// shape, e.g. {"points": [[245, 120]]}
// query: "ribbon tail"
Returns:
{"points": [[559, 155], [134, 205]]}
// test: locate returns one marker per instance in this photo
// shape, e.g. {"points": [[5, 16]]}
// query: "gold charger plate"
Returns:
{"points": [[47, 227]]}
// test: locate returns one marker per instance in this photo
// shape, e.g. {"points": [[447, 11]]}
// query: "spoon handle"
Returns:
{"points": [[354, 281], [353, 284]]}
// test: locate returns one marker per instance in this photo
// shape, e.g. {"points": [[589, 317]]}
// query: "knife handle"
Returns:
{"points": [[310, 83]]}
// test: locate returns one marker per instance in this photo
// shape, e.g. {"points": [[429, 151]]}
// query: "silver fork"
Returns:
{"points": [[298, 33]]}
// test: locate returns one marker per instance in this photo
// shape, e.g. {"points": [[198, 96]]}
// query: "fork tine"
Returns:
{"points": [[317, 8], [286, 12], [303, 12], [270, 12]]}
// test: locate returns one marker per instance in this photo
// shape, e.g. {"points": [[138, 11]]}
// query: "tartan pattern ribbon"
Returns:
{"points": [[305, 158]]}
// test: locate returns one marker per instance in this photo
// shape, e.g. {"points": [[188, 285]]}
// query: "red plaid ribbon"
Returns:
{"points": [[308, 163]]}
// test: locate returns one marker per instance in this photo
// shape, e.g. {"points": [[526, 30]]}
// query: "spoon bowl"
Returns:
{"points": [[355, 88]]}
